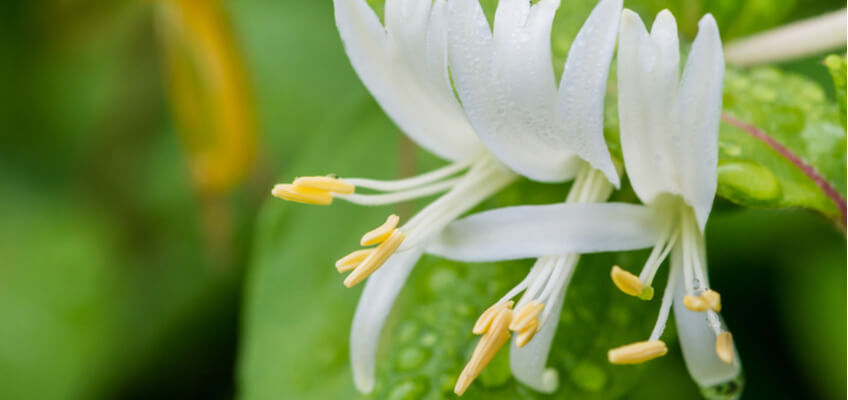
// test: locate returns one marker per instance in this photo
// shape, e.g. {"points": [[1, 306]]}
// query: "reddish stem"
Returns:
{"points": [[808, 169]]}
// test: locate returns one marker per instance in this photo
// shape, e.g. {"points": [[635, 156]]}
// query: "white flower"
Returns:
{"points": [[405, 66], [669, 138], [504, 77]]}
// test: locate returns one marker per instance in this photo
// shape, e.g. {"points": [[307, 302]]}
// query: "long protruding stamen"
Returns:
{"points": [[494, 337], [630, 284], [410, 183], [375, 259], [381, 233], [304, 195], [724, 347], [325, 183], [526, 322], [352, 260], [637, 353], [397, 197], [665, 306]]}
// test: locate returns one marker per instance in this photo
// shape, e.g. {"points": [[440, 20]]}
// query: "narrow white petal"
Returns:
{"points": [[506, 83], [584, 84], [699, 105], [528, 362], [392, 65], [697, 339], [374, 306], [647, 88], [535, 231]]}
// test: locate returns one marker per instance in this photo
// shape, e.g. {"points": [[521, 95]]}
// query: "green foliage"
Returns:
{"points": [[837, 66], [796, 113]]}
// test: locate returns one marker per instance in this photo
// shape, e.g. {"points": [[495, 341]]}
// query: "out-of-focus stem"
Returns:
{"points": [[803, 38]]}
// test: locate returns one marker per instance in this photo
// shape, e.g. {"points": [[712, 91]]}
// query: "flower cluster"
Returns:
{"points": [[485, 99]]}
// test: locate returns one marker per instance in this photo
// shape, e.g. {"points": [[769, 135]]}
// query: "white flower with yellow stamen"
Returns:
{"points": [[504, 77], [404, 65], [669, 139]]}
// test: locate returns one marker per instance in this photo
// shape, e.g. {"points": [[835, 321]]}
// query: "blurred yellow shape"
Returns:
{"points": [[210, 92]]}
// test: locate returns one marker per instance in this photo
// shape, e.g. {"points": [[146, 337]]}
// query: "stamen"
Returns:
{"points": [[485, 320], [712, 299], [379, 234], [695, 303], [630, 284], [325, 183], [376, 259], [524, 336], [494, 338], [724, 347], [302, 194], [526, 316], [637, 353], [353, 260]]}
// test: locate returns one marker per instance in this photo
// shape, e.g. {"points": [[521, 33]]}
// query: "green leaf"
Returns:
{"points": [[797, 114], [837, 67]]}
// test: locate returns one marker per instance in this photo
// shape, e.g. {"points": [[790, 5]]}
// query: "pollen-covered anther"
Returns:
{"points": [[627, 282], [325, 183], [526, 322], [695, 303], [380, 233], [302, 194], [638, 352], [352, 260], [485, 320], [495, 336], [712, 299], [375, 259], [724, 347]]}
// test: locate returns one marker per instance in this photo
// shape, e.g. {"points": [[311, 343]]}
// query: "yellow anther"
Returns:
{"points": [[487, 347], [724, 347], [375, 259], [352, 260], [379, 234], [325, 183], [637, 353], [626, 281], [526, 316], [527, 333], [695, 303], [485, 320], [712, 299], [302, 194]]}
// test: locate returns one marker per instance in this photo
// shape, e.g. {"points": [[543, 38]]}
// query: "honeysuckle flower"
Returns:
{"points": [[669, 140], [404, 66], [505, 80]]}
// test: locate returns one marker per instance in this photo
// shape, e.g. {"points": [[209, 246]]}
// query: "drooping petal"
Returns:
{"points": [[647, 90], [699, 105], [698, 340], [583, 87], [506, 83], [528, 362], [535, 231], [393, 66], [374, 306]]}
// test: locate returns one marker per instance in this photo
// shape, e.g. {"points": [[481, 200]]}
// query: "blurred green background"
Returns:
{"points": [[138, 143]]}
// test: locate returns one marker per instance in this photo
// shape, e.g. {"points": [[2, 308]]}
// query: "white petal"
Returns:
{"points": [[583, 87], [535, 231], [697, 339], [699, 104], [374, 306], [392, 65], [528, 362], [648, 66], [506, 83]]}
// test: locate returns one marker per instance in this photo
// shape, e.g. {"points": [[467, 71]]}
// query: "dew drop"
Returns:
{"points": [[411, 358], [748, 182], [729, 390], [409, 390]]}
